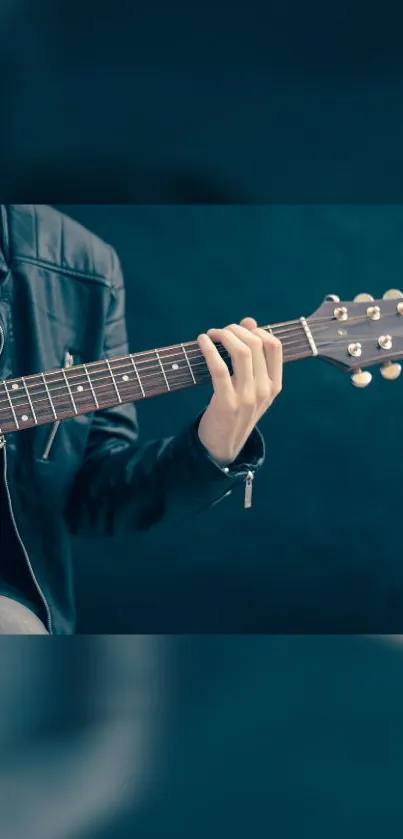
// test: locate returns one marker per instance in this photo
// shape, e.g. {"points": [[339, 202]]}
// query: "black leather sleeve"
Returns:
{"points": [[125, 484]]}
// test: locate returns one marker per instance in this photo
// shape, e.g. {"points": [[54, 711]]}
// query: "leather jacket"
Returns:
{"points": [[61, 302]]}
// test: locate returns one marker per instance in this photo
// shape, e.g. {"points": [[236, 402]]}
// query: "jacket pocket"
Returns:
{"points": [[68, 361]]}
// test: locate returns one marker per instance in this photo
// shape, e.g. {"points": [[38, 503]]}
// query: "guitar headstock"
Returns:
{"points": [[361, 333]]}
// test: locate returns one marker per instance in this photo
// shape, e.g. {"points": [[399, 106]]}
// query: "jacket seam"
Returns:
{"points": [[6, 240], [69, 272], [35, 218]]}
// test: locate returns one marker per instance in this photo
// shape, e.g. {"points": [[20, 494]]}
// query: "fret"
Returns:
{"points": [[163, 371], [63, 372], [188, 363], [11, 405], [49, 396], [29, 400], [138, 376], [90, 384], [113, 380]]}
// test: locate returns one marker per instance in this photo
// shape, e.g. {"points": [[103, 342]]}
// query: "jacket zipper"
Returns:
{"points": [[248, 489], [68, 362], [23, 548], [14, 523]]}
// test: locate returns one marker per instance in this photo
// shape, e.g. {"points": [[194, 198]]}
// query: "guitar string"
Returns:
{"points": [[302, 338], [142, 367], [297, 329], [125, 391], [175, 382], [197, 359], [86, 407], [22, 398], [89, 408], [141, 364]]}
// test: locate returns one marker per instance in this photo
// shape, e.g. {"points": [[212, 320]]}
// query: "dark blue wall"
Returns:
{"points": [[320, 549], [183, 102]]}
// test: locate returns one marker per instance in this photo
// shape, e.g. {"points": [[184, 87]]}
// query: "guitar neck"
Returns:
{"points": [[67, 392]]}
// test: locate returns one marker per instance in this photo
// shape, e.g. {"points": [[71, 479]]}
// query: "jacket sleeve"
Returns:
{"points": [[125, 484]]}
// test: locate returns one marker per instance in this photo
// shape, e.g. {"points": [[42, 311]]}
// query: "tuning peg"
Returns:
{"points": [[393, 292], [333, 298], [390, 371], [361, 378], [363, 298]]}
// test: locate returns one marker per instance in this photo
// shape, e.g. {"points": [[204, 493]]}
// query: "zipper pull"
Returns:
{"points": [[248, 490]]}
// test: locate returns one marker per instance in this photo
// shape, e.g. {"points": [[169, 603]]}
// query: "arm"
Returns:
{"points": [[125, 484]]}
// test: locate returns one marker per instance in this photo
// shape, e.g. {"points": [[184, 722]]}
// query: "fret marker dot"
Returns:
{"points": [[24, 417], [80, 388], [175, 367], [15, 386], [125, 378]]}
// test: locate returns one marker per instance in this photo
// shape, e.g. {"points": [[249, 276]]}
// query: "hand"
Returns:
{"points": [[239, 400]]}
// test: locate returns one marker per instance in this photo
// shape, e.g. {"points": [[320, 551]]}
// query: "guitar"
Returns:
{"points": [[350, 335]]}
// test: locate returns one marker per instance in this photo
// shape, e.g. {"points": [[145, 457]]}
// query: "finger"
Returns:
{"points": [[262, 382], [273, 351], [249, 323], [241, 358], [219, 372]]}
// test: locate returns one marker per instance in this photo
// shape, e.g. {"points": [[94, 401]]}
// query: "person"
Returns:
{"points": [[62, 298]]}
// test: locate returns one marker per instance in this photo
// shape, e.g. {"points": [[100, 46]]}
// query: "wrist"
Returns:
{"points": [[220, 458]]}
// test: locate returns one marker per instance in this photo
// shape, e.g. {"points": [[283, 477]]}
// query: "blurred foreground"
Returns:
{"points": [[195, 736]]}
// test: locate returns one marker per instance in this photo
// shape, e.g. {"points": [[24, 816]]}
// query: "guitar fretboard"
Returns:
{"points": [[64, 393]]}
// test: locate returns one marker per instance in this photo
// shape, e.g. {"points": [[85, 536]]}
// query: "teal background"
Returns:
{"points": [[193, 102], [279, 102], [244, 736], [320, 549]]}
